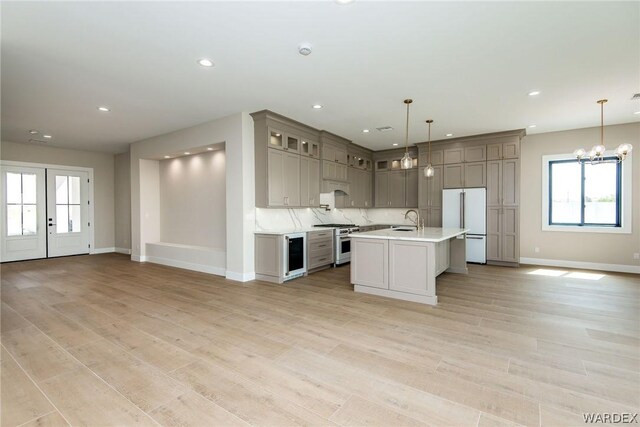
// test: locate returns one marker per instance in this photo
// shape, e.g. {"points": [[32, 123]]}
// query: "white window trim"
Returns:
{"points": [[626, 201]]}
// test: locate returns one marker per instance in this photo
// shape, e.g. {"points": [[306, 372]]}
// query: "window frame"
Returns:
{"points": [[624, 199], [582, 222]]}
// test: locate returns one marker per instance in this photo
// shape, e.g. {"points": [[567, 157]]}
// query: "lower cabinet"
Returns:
{"points": [[369, 262], [320, 251], [503, 243]]}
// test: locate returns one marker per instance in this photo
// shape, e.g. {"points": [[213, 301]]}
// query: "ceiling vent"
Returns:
{"points": [[385, 128], [635, 97], [39, 141]]}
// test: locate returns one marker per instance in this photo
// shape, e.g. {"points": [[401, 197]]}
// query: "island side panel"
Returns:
{"points": [[412, 267], [458, 255], [442, 256], [369, 262]]}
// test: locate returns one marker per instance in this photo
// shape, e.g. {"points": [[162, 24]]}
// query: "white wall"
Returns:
{"points": [[103, 175], [236, 132], [579, 247], [192, 200], [122, 203]]}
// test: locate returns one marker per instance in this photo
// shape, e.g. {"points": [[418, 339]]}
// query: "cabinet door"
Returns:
{"points": [[275, 177], [411, 188], [475, 174], [494, 182], [328, 152], [475, 154], [341, 172], [453, 155], [382, 189], [369, 263], [397, 182], [329, 170], [305, 198], [423, 189], [494, 152], [292, 143], [453, 176], [368, 194], [291, 179], [511, 150], [314, 182], [411, 267], [510, 182], [434, 217], [341, 155], [510, 232], [435, 188], [437, 157], [276, 139], [494, 233]]}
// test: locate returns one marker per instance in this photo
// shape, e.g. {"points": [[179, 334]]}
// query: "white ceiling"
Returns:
{"points": [[467, 65]]}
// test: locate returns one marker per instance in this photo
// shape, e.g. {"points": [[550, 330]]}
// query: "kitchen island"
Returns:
{"points": [[404, 263]]}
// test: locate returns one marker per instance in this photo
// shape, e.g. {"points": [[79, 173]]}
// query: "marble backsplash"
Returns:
{"points": [[301, 218]]}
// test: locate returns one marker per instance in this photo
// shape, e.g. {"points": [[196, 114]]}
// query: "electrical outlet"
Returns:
{"points": [[536, 249], [636, 255]]}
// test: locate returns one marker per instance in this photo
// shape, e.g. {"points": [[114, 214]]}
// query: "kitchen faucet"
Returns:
{"points": [[417, 221]]}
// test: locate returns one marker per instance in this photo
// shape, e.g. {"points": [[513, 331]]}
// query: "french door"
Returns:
{"points": [[45, 213]]}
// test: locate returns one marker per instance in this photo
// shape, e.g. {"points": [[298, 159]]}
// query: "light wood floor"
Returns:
{"points": [[99, 340]]}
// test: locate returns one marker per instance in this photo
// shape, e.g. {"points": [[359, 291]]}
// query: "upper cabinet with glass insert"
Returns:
{"points": [[310, 148], [284, 141]]}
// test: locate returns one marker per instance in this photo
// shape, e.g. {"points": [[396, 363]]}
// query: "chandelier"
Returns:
{"points": [[597, 153]]}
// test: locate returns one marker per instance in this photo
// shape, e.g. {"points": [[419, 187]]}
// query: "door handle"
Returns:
{"points": [[474, 238]]}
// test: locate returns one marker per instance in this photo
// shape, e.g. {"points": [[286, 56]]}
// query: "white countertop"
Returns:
{"points": [[428, 234], [293, 230]]}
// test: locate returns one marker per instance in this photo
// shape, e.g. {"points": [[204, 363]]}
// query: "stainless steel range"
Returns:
{"points": [[342, 241]]}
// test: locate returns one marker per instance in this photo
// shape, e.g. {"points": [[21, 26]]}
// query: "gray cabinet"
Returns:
{"points": [[475, 175], [397, 196], [319, 249], [503, 220], [411, 188], [504, 150], [291, 179], [309, 182], [283, 178], [453, 175], [382, 190], [430, 198], [453, 155], [334, 171], [334, 153], [359, 189], [396, 189], [476, 153], [310, 148]]}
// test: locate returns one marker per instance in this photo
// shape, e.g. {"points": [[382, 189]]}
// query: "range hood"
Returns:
{"points": [[333, 186]]}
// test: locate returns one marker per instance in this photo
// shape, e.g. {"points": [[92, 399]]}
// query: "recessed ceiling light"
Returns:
{"points": [[33, 132], [209, 149], [304, 49], [205, 62], [637, 112], [344, 1], [47, 136], [187, 153], [534, 93], [395, 143], [316, 106], [365, 130], [104, 109], [449, 134], [167, 157], [532, 126]]}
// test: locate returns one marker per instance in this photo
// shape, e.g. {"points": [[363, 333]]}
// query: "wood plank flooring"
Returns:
{"points": [[100, 340]]}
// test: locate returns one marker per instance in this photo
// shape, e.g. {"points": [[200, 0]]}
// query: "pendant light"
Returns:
{"points": [[429, 171], [407, 161], [596, 155]]}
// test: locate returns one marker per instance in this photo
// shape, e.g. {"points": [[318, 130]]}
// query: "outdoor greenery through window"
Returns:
{"points": [[583, 194]]}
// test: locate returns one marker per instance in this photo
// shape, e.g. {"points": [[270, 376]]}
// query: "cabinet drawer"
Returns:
{"points": [[319, 260], [318, 245], [320, 252], [320, 235]]}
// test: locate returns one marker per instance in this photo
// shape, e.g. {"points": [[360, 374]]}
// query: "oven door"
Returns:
{"points": [[343, 249]]}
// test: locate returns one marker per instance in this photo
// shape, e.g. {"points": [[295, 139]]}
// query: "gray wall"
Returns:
{"points": [[103, 174], [605, 248], [192, 200], [123, 201]]}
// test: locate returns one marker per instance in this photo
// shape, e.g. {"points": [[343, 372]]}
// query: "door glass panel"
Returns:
{"points": [[14, 187], [14, 220], [74, 218], [74, 190], [29, 188], [62, 191], [62, 218], [29, 220]]}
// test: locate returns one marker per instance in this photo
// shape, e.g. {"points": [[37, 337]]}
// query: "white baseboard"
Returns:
{"points": [[187, 265], [123, 251], [620, 268], [96, 251], [240, 277], [139, 258]]}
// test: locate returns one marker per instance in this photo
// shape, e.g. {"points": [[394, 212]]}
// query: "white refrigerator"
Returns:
{"points": [[467, 208]]}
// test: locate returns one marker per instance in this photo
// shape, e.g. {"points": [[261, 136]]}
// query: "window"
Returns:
{"points": [[584, 194], [67, 204], [586, 198], [21, 204]]}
